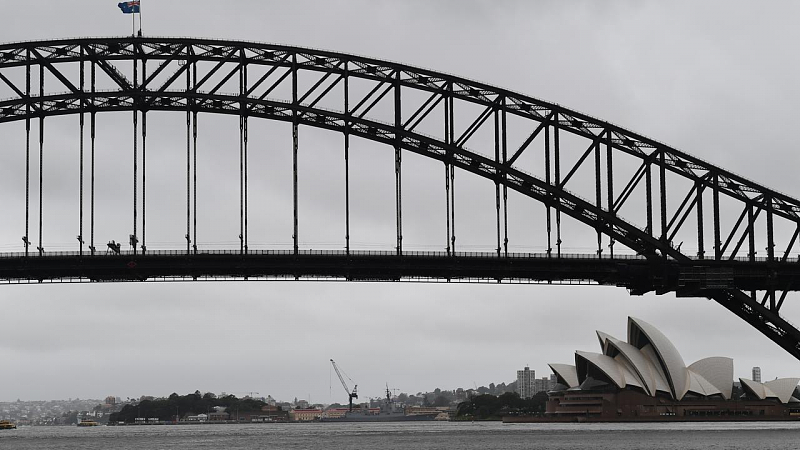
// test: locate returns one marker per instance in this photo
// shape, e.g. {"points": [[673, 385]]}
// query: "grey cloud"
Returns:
{"points": [[715, 80]]}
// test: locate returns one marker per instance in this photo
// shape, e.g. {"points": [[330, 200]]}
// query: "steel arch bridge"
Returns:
{"points": [[192, 76]]}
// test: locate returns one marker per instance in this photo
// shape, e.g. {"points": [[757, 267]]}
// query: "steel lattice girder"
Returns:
{"points": [[580, 209], [104, 53]]}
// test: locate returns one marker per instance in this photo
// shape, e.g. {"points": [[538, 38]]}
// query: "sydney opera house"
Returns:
{"points": [[645, 378]]}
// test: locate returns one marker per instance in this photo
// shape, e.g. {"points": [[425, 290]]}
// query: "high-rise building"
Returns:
{"points": [[525, 382], [757, 374], [543, 384]]}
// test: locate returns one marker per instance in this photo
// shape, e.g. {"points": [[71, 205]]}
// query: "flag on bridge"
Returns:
{"points": [[132, 7]]}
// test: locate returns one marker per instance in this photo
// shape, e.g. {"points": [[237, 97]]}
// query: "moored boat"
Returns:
{"points": [[7, 425]]}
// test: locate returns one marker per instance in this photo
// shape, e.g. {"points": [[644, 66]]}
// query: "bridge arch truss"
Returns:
{"points": [[193, 75]]}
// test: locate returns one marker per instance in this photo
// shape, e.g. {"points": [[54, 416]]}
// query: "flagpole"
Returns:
{"points": [[140, 18]]}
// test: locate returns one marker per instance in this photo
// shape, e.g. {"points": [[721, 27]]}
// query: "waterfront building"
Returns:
{"points": [[218, 416], [757, 374], [525, 382], [265, 414], [645, 378], [305, 415]]}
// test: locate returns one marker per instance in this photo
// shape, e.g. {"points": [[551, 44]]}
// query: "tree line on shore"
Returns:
{"points": [[494, 407], [184, 405]]}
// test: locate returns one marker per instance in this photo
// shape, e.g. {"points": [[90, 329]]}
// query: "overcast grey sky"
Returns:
{"points": [[717, 80]]}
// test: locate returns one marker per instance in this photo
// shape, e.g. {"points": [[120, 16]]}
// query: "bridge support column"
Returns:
{"points": [[294, 187], [548, 181], [449, 170], [40, 248], [447, 201], [294, 151], [194, 177], [243, 143], [134, 239], [662, 195], [188, 177], [598, 194], [610, 176], [557, 160], [92, 133], [700, 231], [497, 176], [717, 241], [188, 158], [751, 241], [452, 187], [504, 124], [501, 159], [398, 163], [26, 237], [144, 161], [81, 122], [648, 181], [346, 82], [771, 251], [144, 181]]}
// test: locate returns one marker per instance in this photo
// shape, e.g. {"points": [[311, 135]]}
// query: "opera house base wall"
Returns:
{"points": [[632, 406]]}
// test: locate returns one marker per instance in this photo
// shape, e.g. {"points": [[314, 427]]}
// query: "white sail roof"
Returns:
{"points": [[759, 390], [718, 371], [780, 388], [639, 362], [783, 388], [631, 378], [700, 386], [603, 363], [658, 372], [640, 333], [603, 338], [565, 373]]}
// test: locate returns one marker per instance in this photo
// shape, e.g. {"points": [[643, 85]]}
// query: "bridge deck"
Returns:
{"points": [[633, 272]]}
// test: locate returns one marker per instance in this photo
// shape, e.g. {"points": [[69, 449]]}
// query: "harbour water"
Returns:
{"points": [[415, 435]]}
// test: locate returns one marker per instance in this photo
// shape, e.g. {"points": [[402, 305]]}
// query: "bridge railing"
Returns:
{"points": [[406, 253], [353, 253]]}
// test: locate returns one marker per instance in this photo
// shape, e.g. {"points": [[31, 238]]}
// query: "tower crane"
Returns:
{"points": [[351, 395]]}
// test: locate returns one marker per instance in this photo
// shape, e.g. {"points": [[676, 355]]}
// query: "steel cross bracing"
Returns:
{"points": [[176, 74]]}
